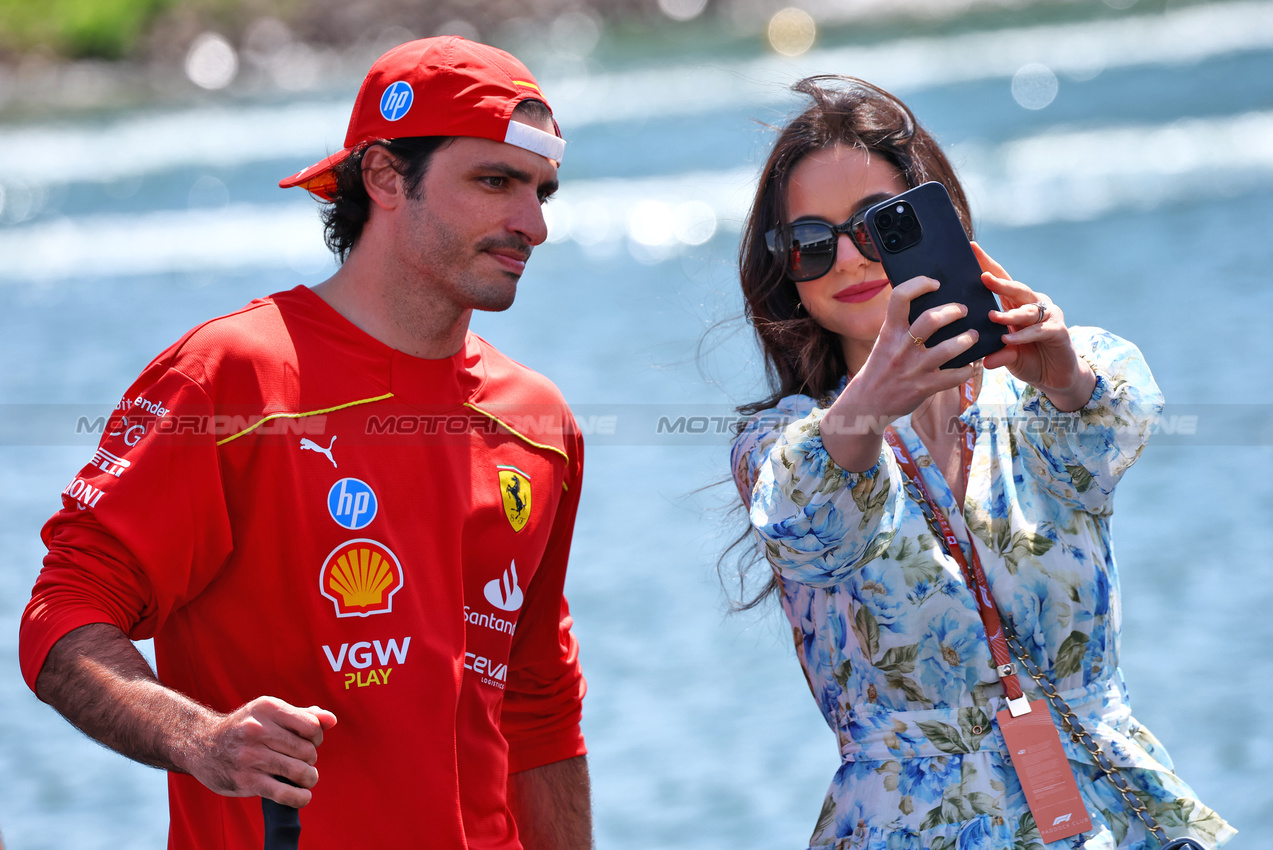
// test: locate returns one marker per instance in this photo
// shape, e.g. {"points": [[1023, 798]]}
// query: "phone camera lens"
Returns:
{"points": [[884, 221], [892, 240], [906, 222]]}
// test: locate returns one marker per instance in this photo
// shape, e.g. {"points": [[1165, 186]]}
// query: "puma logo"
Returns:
{"points": [[309, 445]]}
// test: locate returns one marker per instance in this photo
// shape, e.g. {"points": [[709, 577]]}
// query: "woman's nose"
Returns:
{"points": [[847, 253]]}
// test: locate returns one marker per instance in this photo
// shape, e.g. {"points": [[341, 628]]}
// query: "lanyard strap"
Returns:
{"points": [[974, 575], [995, 633]]}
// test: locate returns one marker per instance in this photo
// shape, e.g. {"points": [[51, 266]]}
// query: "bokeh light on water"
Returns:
{"points": [[1034, 86], [792, 31], [211, 62]]}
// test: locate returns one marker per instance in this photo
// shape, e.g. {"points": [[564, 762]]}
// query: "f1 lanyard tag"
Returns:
{"points": [[1039, 760]]}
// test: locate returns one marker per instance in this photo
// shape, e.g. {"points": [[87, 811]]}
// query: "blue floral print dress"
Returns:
{"points": [[888, 632]]}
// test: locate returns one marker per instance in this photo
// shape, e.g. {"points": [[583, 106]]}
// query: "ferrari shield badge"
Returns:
{"points": [[514, 487]]}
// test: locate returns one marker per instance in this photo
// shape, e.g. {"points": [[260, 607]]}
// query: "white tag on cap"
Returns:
{"points": [[535, 140]]}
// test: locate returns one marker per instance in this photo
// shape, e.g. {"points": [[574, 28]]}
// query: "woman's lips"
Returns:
{"points": [[860, 292]]}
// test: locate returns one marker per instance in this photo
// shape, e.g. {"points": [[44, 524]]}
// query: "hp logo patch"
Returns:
{"points": [[351, 503], [396, 101]]}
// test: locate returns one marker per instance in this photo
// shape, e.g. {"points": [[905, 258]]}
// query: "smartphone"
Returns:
{"points": [[918, 233]]}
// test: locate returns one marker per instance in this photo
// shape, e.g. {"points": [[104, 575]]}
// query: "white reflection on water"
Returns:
{"points": [[1057, 175], [221, 136]]}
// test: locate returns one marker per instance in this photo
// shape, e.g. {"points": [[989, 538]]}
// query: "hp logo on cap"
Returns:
{"points": [[396, 101]]}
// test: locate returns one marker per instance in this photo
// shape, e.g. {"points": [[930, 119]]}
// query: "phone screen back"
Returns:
{"points": [[942, 253]]}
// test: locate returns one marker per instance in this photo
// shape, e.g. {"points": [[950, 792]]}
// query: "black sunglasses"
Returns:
{"points": [[807, 247]]}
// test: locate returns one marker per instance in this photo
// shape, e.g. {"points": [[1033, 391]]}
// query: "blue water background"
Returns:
{"points": [[701, 729]]}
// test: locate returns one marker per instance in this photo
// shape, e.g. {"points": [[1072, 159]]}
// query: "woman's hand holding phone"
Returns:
{"points": [[897, 377], [1040, 353]]}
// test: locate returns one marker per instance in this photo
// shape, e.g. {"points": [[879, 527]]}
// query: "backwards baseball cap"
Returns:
{"points": [[444, 86]]}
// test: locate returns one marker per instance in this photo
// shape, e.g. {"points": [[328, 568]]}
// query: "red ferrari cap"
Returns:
{"points": [[444, 86]]}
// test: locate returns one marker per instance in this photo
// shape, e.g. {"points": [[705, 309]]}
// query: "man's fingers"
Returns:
{"points": [[293, 746], [325, 718], [287, 795], [260, 776], [299, 773], [265, 748], [276, 726], [257, 773], [309, 723]]}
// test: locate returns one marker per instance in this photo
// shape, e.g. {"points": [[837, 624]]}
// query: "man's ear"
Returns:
{"points": [[382, 181]]}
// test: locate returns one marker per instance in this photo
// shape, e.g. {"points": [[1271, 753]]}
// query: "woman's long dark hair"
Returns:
{"points": [[800, 355]]}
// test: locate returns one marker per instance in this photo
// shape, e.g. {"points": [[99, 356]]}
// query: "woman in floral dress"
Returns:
{"points": [[884, 623]]}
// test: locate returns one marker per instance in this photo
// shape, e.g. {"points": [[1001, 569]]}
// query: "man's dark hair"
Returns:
{"points": [[345, 216], [535, 111]]}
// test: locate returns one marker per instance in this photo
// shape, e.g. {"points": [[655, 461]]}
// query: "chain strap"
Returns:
{"points": [[1069, 719], [1080, 735]]}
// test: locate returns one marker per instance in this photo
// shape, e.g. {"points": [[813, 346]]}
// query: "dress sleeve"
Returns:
{"points": [[143, 526], [1079, 457], [816, 521], [543, 695]]}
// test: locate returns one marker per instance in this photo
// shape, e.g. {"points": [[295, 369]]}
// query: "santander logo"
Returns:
{"points": [[503, 592]]}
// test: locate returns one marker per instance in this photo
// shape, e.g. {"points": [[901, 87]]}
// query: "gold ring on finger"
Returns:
{"points": [[917, 340]]}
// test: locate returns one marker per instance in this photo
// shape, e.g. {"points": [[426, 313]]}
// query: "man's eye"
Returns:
{"points": [[496, 182]]}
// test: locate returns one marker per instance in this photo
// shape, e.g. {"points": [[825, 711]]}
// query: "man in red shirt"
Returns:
{"points": [[340, 503]]}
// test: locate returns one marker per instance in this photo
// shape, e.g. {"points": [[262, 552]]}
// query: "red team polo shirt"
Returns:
{"points": [[292, 508]]}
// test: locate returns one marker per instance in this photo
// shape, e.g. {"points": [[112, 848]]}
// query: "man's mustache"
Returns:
{"points": [[506, 243]]}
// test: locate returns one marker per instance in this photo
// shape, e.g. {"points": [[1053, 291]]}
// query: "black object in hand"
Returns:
{"points": [[282, 823]]}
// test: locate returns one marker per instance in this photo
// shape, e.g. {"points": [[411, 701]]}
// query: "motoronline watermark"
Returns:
{"points": [[600, 425]]}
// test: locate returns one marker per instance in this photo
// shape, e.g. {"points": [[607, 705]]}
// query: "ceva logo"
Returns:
{"points": [[396, 101], [504, 592]]}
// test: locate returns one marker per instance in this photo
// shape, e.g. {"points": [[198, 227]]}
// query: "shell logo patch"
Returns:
{"points": [[360, 577], [514, 488]]}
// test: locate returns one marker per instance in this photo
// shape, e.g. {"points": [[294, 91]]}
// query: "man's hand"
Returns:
{"points": [[244, 753], [97, 680]]}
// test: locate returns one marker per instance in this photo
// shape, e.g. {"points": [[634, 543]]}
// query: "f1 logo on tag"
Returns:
{"points": [[1045, 774]]}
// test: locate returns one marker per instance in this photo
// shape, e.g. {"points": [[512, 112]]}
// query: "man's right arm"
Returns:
{"points": [[97, 680]]}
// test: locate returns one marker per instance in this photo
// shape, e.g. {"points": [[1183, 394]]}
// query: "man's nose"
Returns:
{"points": [[529, 220]]}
